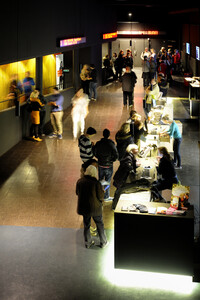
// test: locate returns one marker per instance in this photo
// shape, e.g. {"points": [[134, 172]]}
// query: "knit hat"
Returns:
{"points": [[91, 131]]}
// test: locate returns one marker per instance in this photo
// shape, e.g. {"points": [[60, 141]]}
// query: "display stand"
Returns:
{"points": [[153, 243]]}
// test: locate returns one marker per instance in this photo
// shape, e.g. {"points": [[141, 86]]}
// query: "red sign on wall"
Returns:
{"points": [[111, 35], [72, 41]]}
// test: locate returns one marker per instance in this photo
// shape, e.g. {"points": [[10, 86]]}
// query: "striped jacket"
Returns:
{"points": [[86, 148]]}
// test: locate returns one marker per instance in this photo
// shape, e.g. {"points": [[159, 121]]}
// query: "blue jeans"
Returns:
{"points": [[93, 89], [106, 174], [100, 228]]}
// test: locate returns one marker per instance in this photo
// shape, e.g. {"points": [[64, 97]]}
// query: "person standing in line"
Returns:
{"points": [[36, 105], [153, 64], [93, 83], [174, 133], [145, 53], [145, 72], [85, 144], [28, 82], [42, 112], [79, 112], [106, 153], [90, 199], [85, 79], [56, 115], [119, 64], [129, 80]]}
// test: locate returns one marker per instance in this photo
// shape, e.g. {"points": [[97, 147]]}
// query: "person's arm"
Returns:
{"points": [[100, 192], [115, 154]]}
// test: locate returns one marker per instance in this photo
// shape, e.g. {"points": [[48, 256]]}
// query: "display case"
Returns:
{"points": [[152, 242]]}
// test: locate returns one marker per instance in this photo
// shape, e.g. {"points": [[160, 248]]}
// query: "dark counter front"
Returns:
{"points": [[154, 243]]}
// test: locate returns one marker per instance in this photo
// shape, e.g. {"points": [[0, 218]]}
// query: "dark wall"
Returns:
{"points": [[31, 29]]}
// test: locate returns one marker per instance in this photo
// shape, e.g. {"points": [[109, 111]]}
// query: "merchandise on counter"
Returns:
{"points": [[161, 210], [132, 208], [180, 196], [146, 172], [152, 210], [124, 208], [142, 208]]}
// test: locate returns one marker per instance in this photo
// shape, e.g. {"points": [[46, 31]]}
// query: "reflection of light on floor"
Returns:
{"points": [[135, 279]]}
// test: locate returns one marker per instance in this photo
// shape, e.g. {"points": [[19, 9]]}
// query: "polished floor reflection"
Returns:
{"points": [[41, 233]]}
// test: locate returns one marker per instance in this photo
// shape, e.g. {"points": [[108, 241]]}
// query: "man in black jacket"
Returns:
{"points": [[106, 153], [129, 80]]}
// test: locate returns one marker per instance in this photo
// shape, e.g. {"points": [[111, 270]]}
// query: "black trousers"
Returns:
{"points": [[176, 149], [128, 96]]}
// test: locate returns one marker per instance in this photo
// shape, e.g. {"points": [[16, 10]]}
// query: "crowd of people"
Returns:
{"points": [[93, 188], [165, 62], [102, 155]]}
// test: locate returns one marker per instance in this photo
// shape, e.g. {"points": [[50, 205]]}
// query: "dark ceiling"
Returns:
{"points": [[154, 11]]}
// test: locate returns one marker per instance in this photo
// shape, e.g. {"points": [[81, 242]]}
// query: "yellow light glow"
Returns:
{"points": [[135, 279]]}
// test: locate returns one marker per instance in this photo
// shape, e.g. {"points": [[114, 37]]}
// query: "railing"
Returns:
{"points": [[8, 102]]}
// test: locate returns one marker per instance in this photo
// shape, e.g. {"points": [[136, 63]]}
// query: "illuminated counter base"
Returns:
{"points": [[153, 243]]}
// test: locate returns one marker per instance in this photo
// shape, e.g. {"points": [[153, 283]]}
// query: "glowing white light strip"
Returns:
{"points": [[135, 279]]}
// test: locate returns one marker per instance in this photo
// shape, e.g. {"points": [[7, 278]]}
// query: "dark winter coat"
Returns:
{"points": [[106, 152], [123, 140], [128, 81], [127, 165], [90, 196]]}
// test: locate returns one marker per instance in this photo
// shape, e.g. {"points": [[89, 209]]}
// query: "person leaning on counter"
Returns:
{"points": [[174, 133]]}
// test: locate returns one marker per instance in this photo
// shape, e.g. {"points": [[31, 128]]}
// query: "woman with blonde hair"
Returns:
{"points": [[123, 138], [85, 78], [36, 104], [128, 166]]}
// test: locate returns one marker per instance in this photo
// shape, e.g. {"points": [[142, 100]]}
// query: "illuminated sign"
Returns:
{"points": [[138, 32], [72, 41], [109, 35]]}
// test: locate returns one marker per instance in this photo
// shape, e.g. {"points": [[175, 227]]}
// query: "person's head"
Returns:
{"points": [[55, 90], [146, 49], [91, 171], [125, 128], [27, 74], [153, 81], [38, 89], [166, 119], [89, 162], [163, 152], [152, 50], [79, 93], [106, 133], [128, 69], [91, 131], [132, 113], [132, 148], [34, 94]]}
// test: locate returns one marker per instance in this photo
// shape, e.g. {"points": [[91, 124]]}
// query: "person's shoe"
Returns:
{"points": [[52, 135], [88, 246], [37, 139], [108, 199], [104, 245], [60, 136], [94, 99], [178, 168]]}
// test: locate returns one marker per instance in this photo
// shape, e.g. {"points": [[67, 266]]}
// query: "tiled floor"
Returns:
{"points": [[42, 250], [38, 179]]}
